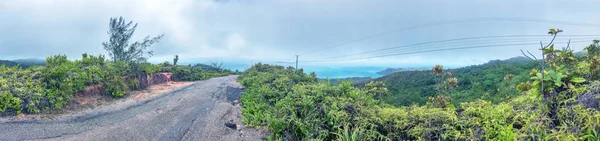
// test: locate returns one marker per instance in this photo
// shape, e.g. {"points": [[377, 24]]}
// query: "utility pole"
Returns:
{"points": [[296, 61]]}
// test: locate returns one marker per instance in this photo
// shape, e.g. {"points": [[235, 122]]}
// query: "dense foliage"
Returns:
{"points": [[486, 81], [294, 106], [51, 87]]}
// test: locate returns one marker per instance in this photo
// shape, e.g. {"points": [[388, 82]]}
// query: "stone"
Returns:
{"points": [[231, 125]]}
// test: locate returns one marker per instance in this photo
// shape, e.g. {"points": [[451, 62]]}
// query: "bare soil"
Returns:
{"points": [[93, 98]]}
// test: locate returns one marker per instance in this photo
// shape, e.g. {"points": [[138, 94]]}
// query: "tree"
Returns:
{"points": [[376, 89], [119, 47], [217, 65], [444, 86], [175, 60], [593, 57]]}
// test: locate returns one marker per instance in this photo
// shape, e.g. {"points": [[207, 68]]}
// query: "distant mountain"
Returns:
{"points": [[580, 53], [8, 63], [394, 70], [23, 62], [519, 59], [31, 62]]}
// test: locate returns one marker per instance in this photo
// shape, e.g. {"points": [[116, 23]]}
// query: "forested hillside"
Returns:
{"points": [[494, 81], [559, 102], [354, 80], [389, 71], [8, 63]]}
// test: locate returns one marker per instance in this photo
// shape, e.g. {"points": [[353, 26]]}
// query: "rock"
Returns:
{"points": [[590, 100], [231, 125], [236, 101], [153, 79]]}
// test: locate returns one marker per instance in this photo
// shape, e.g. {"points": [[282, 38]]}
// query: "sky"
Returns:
{"points": [[243, 32]]}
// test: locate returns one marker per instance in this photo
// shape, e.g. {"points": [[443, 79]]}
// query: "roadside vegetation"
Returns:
{"points": [[50, 87], [557, 101]]}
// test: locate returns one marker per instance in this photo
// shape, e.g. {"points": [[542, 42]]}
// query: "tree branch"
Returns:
{"points": [[526, 55]]}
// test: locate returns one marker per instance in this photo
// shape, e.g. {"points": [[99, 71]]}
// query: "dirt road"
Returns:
{"points": [[195, 112]]}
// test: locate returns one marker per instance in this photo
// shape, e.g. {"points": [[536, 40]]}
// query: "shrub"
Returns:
{"points": [[187, 73], [148, 68], [8, 102], [294, 107], [116, 87]]}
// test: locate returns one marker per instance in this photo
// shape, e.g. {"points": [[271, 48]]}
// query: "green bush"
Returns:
{"points": [[8, 102], [293, 106], [148, 68], [116, 87], [22, 84], [187, 73]]}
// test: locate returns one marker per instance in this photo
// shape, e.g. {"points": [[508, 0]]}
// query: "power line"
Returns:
{"points": [[477, 43], [436, 50], [284, 62], [501, 19], [467, 40], [457, 39]]}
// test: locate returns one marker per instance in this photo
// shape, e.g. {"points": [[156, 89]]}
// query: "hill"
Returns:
{"points": [[389, 71], [23, 62], [485, 81], [30, 62], [8, 63]]}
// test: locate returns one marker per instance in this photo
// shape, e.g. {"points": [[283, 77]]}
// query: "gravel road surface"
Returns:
{"points": [[195, 112]]}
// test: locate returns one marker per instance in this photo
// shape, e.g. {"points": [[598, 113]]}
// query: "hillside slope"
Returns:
{"points": [[484, 81], [389, 71], [8, 63]]}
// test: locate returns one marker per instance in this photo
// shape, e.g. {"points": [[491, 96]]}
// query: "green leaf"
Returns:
{"points": [[577, 80], [570, 86], [560, 76], [547, 51], [552, 31], [548, 78], [534, 78], [558, 51]]}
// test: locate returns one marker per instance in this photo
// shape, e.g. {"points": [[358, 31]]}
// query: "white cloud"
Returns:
{"points": [[276, 30], [235, 42]]}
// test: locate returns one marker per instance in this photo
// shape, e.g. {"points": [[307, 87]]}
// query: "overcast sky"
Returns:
{"points": [[248, 31]]}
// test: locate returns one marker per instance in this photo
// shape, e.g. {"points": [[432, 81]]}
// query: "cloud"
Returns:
{"points": [[235, 42], [271, 31]]}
